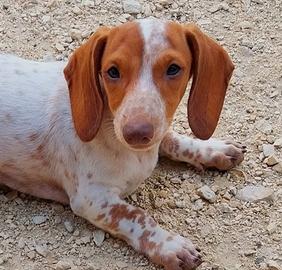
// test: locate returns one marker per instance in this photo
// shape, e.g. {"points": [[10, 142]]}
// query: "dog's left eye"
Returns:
{"points": [[113, 73], [173, 70]]}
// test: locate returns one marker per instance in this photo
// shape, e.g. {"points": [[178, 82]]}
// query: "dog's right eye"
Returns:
{"points": [[113, 73]]}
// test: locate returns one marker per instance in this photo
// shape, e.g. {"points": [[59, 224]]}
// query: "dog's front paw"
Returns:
{"points": [[177, 253], [220, 154]]}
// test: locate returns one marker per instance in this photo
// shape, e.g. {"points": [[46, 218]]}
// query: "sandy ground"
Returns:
{"points": [[233, 234]]}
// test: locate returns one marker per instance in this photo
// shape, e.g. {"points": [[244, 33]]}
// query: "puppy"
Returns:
{"points": [[88, 132]]}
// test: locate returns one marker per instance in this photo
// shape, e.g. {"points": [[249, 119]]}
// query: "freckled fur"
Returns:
{"points": [[43, 153]]}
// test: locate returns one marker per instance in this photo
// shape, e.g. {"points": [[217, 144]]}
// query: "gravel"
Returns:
{"points": [[232, 233]]}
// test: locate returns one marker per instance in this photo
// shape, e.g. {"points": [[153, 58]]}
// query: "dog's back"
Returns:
{"points": [[26, 88]]}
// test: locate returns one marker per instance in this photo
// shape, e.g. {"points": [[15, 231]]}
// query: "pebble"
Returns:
{"points": [[271, 227], [180, 204], [268, 150], [63, 265], [41, 250], [221, 6], [273, 265], [131, 6], [76, 10], [165, 2], [39, 219], [75, 34], [59, 47], [3, 260], [271, 160], [278, 143], [253, 193], [198, 205], [69, 226], [98, 237], [88, 3], [206, 193], [278, 167]]}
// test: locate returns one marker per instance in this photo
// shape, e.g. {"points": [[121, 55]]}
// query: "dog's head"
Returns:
{"points": [[143, 68]]}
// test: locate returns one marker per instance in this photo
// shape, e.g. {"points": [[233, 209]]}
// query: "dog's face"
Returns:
{"points": [[143, 68]]}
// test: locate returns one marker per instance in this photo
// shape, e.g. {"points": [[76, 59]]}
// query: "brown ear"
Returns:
{"points": [[211, 70], [82, 76]]}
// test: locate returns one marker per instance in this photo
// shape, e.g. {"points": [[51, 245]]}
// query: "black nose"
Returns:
{"points": [[138, 133]]}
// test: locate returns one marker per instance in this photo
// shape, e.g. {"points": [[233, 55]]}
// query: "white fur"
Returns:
{"points": [[33, 92]]}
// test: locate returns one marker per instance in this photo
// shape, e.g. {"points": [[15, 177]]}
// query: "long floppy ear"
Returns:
{"points": [[82, 76], [211, 69]]}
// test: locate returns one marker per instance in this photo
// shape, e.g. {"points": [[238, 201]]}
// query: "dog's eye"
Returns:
{"points": [[173, 70], [113, 73]]}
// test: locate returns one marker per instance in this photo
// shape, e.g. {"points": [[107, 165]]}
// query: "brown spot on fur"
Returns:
{"points": [[141, 221], [170, 143], [131, 230], [152, 223], [33, 137], [144, 242], [100, 217], [89, 175], [91, 203], [187, 154], [121, 211], [170, 238], [104, 205]]}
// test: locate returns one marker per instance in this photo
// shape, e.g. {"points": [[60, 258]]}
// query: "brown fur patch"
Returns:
{"points": [[121, 211]]}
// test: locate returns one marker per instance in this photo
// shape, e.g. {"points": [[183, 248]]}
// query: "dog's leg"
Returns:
{"points": [[104, 208], [212, 153]]}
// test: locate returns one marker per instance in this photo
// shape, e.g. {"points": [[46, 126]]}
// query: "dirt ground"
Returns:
{"points": [[233, 234]]}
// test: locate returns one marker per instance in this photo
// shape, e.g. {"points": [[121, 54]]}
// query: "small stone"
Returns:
{"points": [[59, 47], [147, 10], [253, 193], [88, 3], [31, 255], [131, 6], [121, 265], [271, 160], [250, 252], [75, 34], [278, 167], [46, 18], [12, 195], [245, 25], [41, 250], [37, 220], [69, 226], [273, 265], [76, 10], [3, 260], [165, 2], [98, 237], [268, 149], [221, 6], [278, 143], [175, 180], [271, 227], [57, 220], [63, 265], [206, 193], [198, 205], [180, 204], [134, 197], [21, 243], [225, 208], [262, 125]]}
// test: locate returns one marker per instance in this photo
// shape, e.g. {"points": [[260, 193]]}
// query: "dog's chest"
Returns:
{"points": [[124, 170]]}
